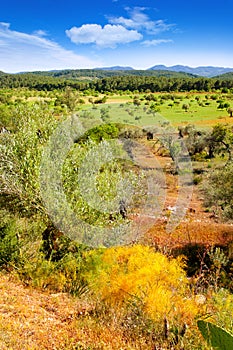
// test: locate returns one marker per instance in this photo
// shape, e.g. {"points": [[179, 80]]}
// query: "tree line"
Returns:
{"points": [[160, 84], [130, 83], [39, 82]]}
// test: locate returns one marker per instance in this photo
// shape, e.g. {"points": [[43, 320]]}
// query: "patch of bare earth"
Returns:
{"points": [[196, 226]]}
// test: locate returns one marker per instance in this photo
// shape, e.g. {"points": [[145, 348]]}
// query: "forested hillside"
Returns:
{"points": [[104, 73], [143, 81], [226, 76]]}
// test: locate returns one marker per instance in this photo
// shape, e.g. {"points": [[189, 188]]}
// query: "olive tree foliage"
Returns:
{"points": [[195, 140], [68, 98], [27, 158], [221, 140], [169, 139], [96, 177], [230, 111], [21, 156], [218, 191], [218, 140], [185, 107]]}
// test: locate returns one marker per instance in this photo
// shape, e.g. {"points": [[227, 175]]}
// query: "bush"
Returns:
{"points": [[9, 244], [138, 273], [65, 275], [218, 190], [20, 159]]}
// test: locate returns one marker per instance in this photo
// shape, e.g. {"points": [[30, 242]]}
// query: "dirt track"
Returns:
{"points": [[196, 226]]}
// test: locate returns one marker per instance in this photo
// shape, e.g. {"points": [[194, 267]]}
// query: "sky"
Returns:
{"points": [[73, 34]]}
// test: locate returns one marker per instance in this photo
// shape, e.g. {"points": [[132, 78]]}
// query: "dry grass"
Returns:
{"points": [[32, 319]]}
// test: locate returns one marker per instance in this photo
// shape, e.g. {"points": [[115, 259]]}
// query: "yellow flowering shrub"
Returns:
{"points": [[158, 282]]}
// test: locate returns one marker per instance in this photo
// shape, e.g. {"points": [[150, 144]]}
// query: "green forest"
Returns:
{"points": [[107, 80]]}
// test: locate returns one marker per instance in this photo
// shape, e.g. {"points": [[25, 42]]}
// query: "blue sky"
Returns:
{"points": [[49, 34]]}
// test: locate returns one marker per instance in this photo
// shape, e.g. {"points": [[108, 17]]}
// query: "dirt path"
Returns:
{"points": [[197, 225]]}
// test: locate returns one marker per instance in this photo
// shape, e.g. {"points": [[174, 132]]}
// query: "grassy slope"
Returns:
{"points": [[32, 319]]}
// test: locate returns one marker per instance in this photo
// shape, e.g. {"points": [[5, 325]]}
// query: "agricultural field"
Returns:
{"points": [[129, 164], [203, 113]]}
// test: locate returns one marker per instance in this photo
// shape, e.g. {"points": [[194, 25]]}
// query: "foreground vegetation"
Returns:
{"points": [[148, 294]]}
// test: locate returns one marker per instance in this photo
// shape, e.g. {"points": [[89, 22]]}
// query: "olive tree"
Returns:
{"points": [[230, 111], [220, 140], [20, 158], [219, 190], [185, 107]]}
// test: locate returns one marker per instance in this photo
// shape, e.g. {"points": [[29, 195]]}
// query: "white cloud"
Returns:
{"points": [[4, 25], [107, 36], [40, 32], [156, 42], [140, 21], [21, 51], [120, 30]]}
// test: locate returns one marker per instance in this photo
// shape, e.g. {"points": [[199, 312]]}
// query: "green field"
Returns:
{"points": [[131, 108], [202, 110]]}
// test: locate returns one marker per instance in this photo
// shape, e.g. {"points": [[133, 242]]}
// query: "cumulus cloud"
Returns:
{"points": [[156, 42], [120, 30], [21, 51], [107, 36], [140, 21]]}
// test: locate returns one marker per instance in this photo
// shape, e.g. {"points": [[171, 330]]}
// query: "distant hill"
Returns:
{"points": [[177, 71], [226, 76], [203, 71], [115, 68], [100, 73]]}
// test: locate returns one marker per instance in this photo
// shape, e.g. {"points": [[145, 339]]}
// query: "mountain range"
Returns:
{"points": [[204, 71], [115, 68], [177, 71]]}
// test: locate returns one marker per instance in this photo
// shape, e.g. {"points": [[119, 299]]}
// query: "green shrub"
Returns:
{"points": [[9, 245], [65, 275]]}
